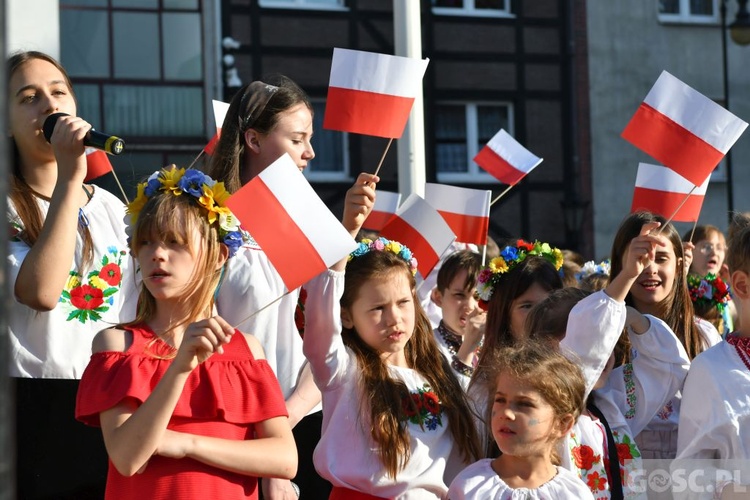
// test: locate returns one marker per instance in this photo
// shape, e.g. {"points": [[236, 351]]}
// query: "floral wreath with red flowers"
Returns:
{"points": [[208, 194], [510, 257], [708, 290]]}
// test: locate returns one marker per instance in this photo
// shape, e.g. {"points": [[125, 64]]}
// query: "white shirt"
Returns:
{"points": [[715, 417], [57, 343], [480, 482], [346, 454]]}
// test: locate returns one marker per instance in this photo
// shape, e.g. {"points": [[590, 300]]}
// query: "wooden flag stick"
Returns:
{"points": [[261, 309], [676, 210], [382, 158], [692, 232], [484, 254], [197, 158], [501, 194], [117, 180]]}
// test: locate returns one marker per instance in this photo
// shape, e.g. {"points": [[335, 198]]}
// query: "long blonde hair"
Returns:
{"points": [[388, 398]]}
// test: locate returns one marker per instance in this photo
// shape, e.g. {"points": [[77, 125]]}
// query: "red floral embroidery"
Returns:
{"points": [[86, 297], [111, 273], [623, 453], [299, 312], [584, 456], [431, 402], [596, 482]]}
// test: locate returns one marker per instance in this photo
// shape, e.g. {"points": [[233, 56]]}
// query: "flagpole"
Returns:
{"points": [[383, 157], [261, 309], [120, 186], [692, 232], [484, 254], [501, 194], [677, 210], [196, 158]]}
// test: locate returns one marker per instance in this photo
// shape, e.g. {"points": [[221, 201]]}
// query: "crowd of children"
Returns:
{"points": [[533, 375]]}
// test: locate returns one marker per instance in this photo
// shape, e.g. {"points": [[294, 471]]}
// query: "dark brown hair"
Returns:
{"points": [[548, 319], [454, 264], [24, 198], [738, 253], [676, 309], [227, 160], [386, 396]]}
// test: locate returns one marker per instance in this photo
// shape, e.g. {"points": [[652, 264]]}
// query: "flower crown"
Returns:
{"points": [[510, 257], [591, 267], [384, 245], [708, 290], [208, 193]]}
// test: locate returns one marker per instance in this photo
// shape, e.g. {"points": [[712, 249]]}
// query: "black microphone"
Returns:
{"points": [[108, 143]]}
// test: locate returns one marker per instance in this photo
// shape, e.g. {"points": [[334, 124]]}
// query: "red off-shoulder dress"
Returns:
{"points": [[224, 397]]}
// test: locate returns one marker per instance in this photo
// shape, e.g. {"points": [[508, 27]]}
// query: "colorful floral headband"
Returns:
{"points": [[510, 257], [208, 193], [709, 290], [592, 267], [384, 245]]}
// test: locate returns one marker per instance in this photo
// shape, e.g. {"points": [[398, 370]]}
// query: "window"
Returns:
{"points": [[137, 66], [488, 8], [461, 130], [688, 11], [331, 161], [305, 4]]}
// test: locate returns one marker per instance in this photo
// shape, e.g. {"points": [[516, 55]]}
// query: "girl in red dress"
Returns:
{"points": [[188, 406]]}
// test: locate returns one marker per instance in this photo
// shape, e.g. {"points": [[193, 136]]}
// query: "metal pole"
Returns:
{"points": [[7, 400], [407, 27], [725, 75]]}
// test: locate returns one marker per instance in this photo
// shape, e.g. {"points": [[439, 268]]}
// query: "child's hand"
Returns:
{"points": [[201, 340], [174, 444], [359, 201], [642, 250], [687, 252], [474, 329]]}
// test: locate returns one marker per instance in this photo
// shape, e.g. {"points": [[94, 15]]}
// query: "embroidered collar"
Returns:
{"points": [[742, 346], [452, 340]]}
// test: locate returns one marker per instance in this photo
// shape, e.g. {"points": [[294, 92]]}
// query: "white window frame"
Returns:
{"points": [[474, 174], [685, 17], [343, 175], [469, 9], [303, 4]]}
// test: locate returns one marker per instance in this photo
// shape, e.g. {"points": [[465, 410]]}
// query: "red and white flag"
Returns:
{"points": [[301, 237], [386, 204], [220, 112], [506, 159], [421, 228], [683, 129], [662, 190], [97, 164], [467, 211], [370, 93]]}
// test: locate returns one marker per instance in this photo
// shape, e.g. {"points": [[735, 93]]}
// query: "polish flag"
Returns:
{"points": [[97, 164], [421, 228], [386, 204], [506, 159], [301, 237], [661, 190], [220, 112], [372, 94], [683, 129], [467, 211]]}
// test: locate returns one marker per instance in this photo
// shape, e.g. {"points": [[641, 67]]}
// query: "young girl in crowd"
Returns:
{"points": [[524, 274], [621, 402], [708, 270], [393, 413], [661, 291], [536, 396], [70, 276], [461, 328], [264, 121], [188, 406]]}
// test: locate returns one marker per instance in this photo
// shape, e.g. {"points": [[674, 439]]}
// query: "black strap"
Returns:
{"points": [[615, 480]]}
